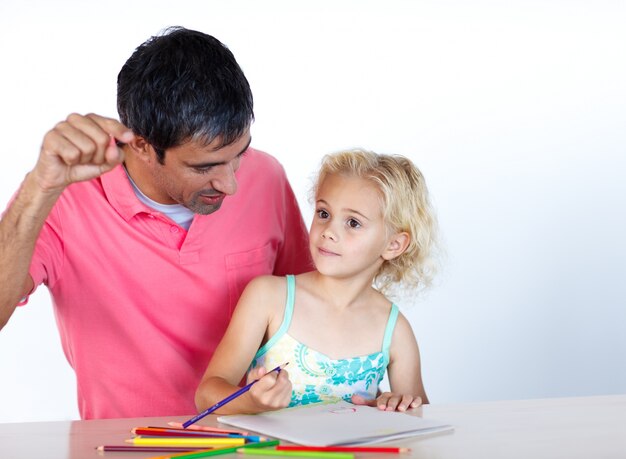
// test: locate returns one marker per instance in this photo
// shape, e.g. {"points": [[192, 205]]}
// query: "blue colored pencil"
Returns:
{"points": [[230, 398]]}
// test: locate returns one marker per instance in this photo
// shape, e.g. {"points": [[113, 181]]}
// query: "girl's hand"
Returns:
{"points": [[272, 392], [388, 401]]}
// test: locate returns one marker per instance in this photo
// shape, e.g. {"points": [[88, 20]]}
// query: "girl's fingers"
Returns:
{"points": [[405, 402], [383, 400], [392, 402], [417, 401], [255, 373], [389, 401]]}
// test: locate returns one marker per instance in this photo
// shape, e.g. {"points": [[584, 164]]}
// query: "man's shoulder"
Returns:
{"points": [[260, 169], [84, 190], [110, 190], [259, 158]]}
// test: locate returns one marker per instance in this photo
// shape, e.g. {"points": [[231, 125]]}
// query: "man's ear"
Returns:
{"points": [[396, 245], [141, 149]]}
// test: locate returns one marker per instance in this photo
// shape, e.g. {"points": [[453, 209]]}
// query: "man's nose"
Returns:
{"points": [[225, 181]]}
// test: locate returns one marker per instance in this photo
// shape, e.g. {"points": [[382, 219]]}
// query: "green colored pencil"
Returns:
{"points": [[274, 452], [231, 449]]}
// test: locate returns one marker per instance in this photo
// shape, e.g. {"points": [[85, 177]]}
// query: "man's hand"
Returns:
{"points": [[273, 391], [388, 401], [80, 148]]}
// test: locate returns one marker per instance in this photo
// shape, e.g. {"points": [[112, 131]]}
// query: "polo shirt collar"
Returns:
{"points": [[120, 193]]}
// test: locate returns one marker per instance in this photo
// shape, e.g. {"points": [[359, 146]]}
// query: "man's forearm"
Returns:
{"points": [[19, 229]]}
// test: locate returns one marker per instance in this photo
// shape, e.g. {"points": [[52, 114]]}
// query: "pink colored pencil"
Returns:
{"points": [[152, 449]]}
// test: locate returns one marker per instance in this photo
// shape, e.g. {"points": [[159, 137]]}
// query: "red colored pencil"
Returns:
{"points": [[152, 449], [347, 449]]}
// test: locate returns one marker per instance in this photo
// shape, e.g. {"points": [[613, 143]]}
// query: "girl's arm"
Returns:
{"points": [[405, 376], [248, 326]]}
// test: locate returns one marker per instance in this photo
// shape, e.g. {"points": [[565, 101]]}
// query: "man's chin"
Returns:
{"points": [[203, 209]]}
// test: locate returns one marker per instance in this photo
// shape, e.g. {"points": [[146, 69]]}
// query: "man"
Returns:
{"points": [[116, 219]]}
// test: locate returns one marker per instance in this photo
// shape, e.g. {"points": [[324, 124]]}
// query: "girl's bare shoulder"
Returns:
{"points": [[267, 287]]}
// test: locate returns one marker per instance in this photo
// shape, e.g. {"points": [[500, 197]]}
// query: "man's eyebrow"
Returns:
{"points": [[201, 165]]}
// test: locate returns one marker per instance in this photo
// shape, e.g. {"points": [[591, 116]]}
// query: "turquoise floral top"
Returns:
{"points": [[314, 376]]}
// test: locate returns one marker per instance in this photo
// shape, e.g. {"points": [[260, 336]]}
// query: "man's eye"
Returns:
{"points": [[352, 223], [203, 170]]}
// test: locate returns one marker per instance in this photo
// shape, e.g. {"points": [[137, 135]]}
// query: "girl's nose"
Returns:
{"points": [[328, 234]]}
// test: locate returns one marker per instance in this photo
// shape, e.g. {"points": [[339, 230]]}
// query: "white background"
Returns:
{"points": [[515, 111]]}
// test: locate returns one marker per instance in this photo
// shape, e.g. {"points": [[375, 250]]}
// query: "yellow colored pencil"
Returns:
{"points": [[180, 441]]}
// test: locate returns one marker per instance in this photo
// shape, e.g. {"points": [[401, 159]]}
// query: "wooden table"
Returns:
{"points": [[569, 428]]}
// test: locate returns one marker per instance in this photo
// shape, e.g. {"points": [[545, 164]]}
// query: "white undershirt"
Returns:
{"points": [[177, 212]]}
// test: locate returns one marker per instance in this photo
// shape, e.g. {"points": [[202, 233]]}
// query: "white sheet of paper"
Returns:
{"points": [[336, 423]]}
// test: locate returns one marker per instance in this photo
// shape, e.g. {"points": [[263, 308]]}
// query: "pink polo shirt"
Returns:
{"points": [[141, 303]]}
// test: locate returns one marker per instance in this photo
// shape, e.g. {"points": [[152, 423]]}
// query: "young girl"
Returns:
{"points": [[373, 226]]}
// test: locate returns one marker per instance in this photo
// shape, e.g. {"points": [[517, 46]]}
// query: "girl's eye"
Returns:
{"points": [[322, 214], [352, 223]]}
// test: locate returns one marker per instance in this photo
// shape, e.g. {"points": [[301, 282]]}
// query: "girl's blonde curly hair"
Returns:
{"points": [[406, 208]]}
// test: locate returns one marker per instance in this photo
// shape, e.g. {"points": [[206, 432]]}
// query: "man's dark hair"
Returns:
{"points": [[184, 86]]}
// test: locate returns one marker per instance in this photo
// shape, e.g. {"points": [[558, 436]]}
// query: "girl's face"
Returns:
{"points": [[348, 234]]}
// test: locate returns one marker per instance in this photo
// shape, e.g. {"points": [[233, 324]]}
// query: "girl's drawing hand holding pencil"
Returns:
{"points": [[228, 399]]}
